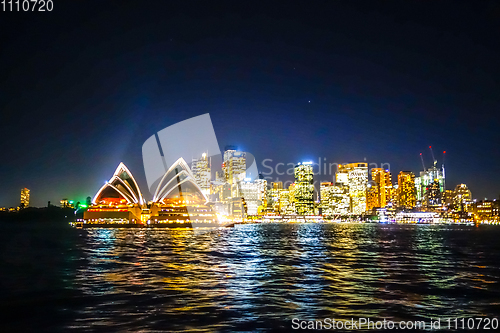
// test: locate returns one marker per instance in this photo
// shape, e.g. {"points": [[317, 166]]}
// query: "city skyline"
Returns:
{"points": [[192, 195], [186, 189], [201, 165]]}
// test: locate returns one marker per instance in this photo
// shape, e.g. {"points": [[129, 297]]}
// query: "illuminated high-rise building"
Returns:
{"points": [[250, 191], [290, 209], [262, 195], [487, 210], [286, 206], [304, 189], [238, 208], [432, 196], [234, 166], [220, 177], [372, 196], [221, 191], [448, 197], [273, 195], [277, 185], [393, 202], [25, 198], [201, 172], [384, 188], [462, 200], [426, 178], [335, 199], [406, 190], [355, 176]]}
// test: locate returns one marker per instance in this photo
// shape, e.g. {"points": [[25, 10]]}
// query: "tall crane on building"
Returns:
{"points": [[433, 158], [422, 159]]}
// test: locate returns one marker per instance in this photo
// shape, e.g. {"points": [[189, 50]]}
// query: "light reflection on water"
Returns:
{"points": [[261, 276]]}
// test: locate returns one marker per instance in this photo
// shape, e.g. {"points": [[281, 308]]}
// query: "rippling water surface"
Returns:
{"points": [[247, 278]]}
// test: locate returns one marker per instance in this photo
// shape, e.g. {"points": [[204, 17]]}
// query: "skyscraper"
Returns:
{"points": [[372, 196], [285, 205], [234, 165], [426, 178], [25, 198], [201, 172], [277, 185], [447, 198], [304, 189], [406, 190], [355, 176], [432, 196], [383, 179], [262, 190], [335, 199], [462, 199], [250, 191], [273, 196]]}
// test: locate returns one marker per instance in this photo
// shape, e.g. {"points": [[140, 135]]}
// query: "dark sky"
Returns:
{"points": [[82, 87]]}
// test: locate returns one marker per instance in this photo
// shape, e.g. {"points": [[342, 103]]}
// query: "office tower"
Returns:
{"points": [[285, 205], [277, 185], [262, 188], [342, 174], [220, 177], [250, 191], [291, 194], [372, 196], [234, 166], [273, 194], [355, 176], [325, 198], [448, 197], [393, 202], [487, 210], [201, 172], [238, 207], [304, 189], [406, 190], [383, 179], [462, 198], [221, 192], [335, 199], [432, 196], [25, 198], [426, 178]]}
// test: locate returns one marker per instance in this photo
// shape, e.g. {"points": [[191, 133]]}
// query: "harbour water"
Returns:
{"points": [[253, 277]]}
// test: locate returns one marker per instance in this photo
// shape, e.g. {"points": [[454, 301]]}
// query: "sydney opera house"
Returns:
{"points": [[178, 201]]}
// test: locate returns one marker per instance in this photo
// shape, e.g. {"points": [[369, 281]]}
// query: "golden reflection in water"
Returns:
{"points": [[279, 271]]}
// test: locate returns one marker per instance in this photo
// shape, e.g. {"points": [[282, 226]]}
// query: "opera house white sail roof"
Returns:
{"points": [[121, 185]]}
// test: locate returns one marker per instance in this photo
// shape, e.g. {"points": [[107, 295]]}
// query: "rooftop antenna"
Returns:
{"points": [[422, 159], [433, 158]]}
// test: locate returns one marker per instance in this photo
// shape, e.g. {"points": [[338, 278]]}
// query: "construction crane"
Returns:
{"points": [[422, 159], [433, 158]]}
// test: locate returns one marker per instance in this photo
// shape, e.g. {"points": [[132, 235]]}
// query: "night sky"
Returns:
{"points": [[82, 87]]}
